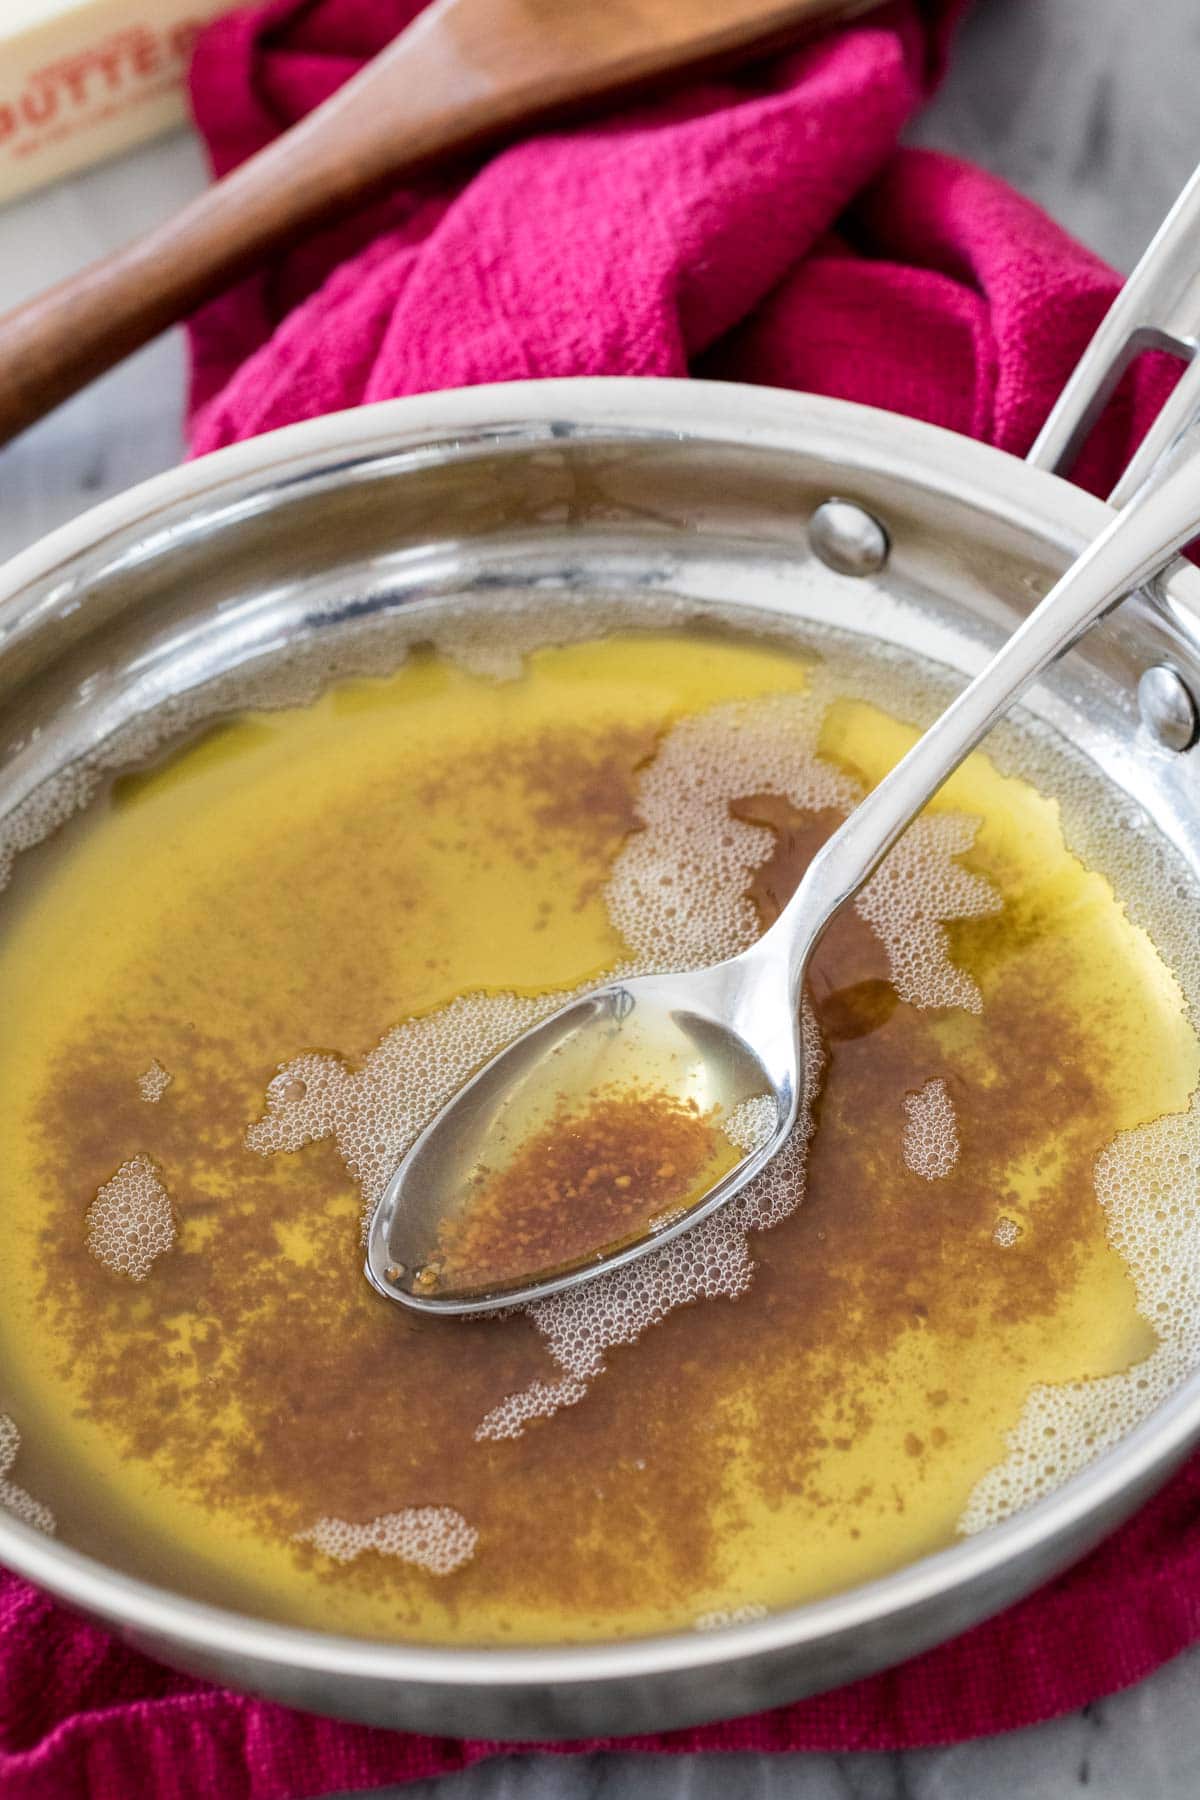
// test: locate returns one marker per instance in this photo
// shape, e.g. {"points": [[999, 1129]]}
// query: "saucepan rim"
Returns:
{"points": [[989, 480]]}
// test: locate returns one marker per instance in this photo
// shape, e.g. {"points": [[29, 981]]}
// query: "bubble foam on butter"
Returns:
{"points": [[677, 892], [724, 1617], [14, 1498], [907, 902], [435, 1538], [131, 1223], [153, 1082], [750, 1124], [931, 1131]]}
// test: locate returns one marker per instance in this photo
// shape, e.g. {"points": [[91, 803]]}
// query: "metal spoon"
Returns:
{"points": [[731, 1032]]}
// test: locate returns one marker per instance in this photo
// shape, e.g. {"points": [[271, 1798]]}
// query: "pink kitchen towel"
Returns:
{"points": [[762, 228]]}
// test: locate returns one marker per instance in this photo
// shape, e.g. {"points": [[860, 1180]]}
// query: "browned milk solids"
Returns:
{"points": [[598, 1174], [207, 1390]]}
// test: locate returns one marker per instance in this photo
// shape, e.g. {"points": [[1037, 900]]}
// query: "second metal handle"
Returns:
{"points": [[1157, 309]]}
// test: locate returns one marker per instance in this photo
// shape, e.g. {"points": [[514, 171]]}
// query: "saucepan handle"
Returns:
{"points": [[1157, 309], [1136, 545]]}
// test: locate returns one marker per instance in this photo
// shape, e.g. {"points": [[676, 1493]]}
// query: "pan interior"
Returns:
{"points": [[456, 799]]}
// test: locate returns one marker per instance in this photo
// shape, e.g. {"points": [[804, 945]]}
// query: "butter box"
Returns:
{"points": [[84, 79]]}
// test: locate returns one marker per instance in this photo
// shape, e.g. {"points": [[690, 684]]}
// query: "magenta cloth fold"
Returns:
{"points": [[763, 228]]}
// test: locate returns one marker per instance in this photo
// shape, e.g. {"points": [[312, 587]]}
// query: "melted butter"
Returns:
{"points": [[310, 879]]}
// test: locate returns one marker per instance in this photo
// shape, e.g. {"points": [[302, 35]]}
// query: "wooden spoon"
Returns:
{"points": [[466, 73]]}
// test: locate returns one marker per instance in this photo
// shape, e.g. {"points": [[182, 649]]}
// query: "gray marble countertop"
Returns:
{"points": [[1090, 107]]}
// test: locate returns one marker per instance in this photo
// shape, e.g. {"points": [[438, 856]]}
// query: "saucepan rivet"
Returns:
{"points": [[847, 538], [1167, 708]]}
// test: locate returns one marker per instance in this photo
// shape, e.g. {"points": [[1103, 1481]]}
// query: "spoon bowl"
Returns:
{"points": [[677, 1036]]}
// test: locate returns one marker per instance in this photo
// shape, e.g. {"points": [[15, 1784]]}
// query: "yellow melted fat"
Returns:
{"points": [[305, 880]]}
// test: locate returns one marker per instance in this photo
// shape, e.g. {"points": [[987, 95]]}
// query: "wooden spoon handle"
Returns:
{"points": [[60, 340], [465, 73]]}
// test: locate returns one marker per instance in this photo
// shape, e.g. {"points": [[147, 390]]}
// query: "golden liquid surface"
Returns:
{"points": [[305, 880]]}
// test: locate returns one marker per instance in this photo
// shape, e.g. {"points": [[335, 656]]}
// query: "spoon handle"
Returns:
{"points": [[1141, 540]]}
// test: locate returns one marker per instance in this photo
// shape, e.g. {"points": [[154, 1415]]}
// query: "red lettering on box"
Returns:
{"points": [[135, 63], [39, 103]]}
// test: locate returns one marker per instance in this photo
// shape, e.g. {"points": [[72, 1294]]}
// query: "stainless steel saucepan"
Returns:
{"points": [[677, 493]]}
